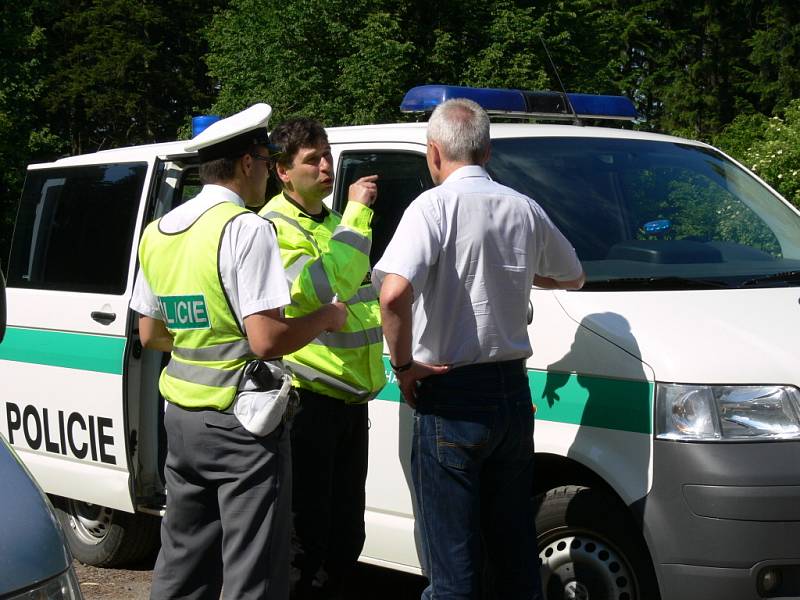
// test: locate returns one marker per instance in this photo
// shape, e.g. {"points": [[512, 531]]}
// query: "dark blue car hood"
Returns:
{"points": [[32, 547]]}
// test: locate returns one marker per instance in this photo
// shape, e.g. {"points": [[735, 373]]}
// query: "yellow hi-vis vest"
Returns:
{"points": [[323, 259], [210, 349]]}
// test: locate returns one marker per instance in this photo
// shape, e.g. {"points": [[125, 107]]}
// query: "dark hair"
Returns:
{"points": [[296, 133], [219, 170]]}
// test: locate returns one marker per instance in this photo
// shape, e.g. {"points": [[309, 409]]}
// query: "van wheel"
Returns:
{"points": [[588, 548], [104, 537]]}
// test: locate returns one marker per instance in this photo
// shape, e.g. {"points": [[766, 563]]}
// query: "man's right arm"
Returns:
{"points": [[555, 284], [339, 271], [271, 335]]}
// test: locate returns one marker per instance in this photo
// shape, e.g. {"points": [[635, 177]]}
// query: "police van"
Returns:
{"points": [[667, 389]]}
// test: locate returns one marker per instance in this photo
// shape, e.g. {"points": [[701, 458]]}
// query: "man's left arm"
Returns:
{"points": [[397, 297]]}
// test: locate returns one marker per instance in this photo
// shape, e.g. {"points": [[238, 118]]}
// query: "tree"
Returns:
{"points": [[775, 50], [125, 72], [379, 69], [769, 147], [20, 44]]}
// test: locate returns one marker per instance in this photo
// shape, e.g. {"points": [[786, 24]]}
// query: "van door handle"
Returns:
{"points": [[530, 312], [104, 318]]}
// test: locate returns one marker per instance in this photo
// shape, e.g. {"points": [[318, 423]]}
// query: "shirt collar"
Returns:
{"points": [[467, 171], [319, 217], [219, 192]]}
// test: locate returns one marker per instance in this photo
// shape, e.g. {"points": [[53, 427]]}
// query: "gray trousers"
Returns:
{"points": [[228, 516]]}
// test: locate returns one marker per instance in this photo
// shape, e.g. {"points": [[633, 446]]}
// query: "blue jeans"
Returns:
{"points": [[472, 467]]}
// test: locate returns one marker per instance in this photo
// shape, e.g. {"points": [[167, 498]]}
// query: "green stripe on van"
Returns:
{"points": [[98, 353], [620, 404]]}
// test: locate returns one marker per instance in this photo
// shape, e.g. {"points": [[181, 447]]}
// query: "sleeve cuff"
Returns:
{"points": [[277, 301], [357, 216]]}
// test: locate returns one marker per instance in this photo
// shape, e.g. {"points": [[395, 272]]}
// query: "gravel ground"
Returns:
{"points": [[367, 583], [116, 584]]}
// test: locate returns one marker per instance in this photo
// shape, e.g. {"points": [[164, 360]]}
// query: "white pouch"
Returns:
{"points": [[263, 396]]}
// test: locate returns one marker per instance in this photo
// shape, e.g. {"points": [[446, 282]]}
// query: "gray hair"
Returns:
{"points": [[461, 128]]}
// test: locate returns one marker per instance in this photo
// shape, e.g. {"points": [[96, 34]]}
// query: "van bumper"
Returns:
{"points": [[722, 520]]}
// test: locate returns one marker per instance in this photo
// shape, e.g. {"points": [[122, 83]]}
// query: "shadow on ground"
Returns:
{"points": [[367, 583]]}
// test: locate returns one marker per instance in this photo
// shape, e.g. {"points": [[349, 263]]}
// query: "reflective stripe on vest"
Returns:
{"points": [[228, 351], [310, 374], [293, 270], [350, 339], [319, 279], [276, 215], [345, 235], [209, 376], [365, 293]]}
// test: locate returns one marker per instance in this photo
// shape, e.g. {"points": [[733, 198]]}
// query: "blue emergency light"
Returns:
{"points": [[523, 104], [201, 122], [657, 227]]}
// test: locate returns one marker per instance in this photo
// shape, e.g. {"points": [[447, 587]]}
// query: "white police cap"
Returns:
{"points": [[229, 137]]}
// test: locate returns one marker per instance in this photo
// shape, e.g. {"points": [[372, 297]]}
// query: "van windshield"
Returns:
{"points": [[655, 215]]}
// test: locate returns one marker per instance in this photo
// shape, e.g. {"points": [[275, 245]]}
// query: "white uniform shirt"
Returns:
{"points": [[470, 248], [249, 258]]}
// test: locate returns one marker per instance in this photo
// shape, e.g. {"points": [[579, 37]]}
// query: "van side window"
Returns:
{"points": [[75, 228], [402, 176]]}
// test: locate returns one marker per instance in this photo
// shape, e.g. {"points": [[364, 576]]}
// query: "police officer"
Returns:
{"points": [[209, 291], [326, 255]]}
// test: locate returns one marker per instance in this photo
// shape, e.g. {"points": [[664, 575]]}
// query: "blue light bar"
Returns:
{"points": [[597, 106], [523, 104], [201, 122], [424, 98]]}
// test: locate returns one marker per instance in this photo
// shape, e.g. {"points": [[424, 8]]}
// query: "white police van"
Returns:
{"points": [[668, 429]]}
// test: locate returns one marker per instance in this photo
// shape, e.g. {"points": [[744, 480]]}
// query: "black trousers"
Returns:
{"points": [[329, 471]]}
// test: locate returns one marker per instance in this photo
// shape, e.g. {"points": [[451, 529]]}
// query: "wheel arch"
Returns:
{"points": [[554, 471]]}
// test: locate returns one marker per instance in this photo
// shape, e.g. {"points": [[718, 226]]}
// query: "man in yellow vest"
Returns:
{"points": [[326, 256], [210, 292]]}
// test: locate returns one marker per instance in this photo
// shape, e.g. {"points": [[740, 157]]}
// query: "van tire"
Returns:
{"points": [[589, 547], [105, 537]]}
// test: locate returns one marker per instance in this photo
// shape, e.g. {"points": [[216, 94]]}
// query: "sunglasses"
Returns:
{"points": [[266, 159]]}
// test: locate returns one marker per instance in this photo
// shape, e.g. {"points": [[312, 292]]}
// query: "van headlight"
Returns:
{"points": [[63, 587], [727, 412]]}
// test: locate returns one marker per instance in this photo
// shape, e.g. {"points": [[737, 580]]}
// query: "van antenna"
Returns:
{"points": [[560, 84]]}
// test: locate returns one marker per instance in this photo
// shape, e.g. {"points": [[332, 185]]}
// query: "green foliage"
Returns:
{"points": [[511, 56], [287, 55], [374, 78], [769, 147], [19, 62], [125, 72], [79, 75], [775, 55]]}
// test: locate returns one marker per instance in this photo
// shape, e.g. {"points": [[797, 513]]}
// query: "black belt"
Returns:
{"points": [[504, 367]]}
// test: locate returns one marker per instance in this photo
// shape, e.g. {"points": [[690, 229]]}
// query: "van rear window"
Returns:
{"points": [[75, 228]]}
